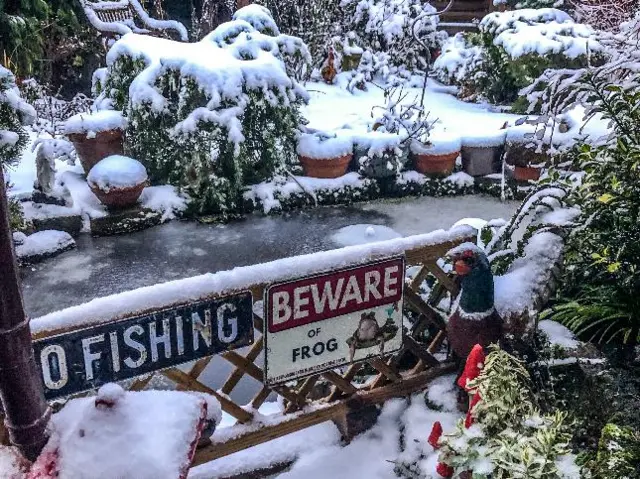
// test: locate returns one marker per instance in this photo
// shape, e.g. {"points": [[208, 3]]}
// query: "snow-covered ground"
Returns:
{"points": [[319, 454]]}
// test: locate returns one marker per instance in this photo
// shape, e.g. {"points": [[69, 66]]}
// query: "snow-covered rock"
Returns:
{"points": [[91, 123], [118, 434], [117, 172], [43, 244], [558, 334], [363, 234], [164, 199]]}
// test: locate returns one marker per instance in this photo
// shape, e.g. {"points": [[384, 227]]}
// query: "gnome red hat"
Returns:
{"points": [[473, 366], [436, 433]]}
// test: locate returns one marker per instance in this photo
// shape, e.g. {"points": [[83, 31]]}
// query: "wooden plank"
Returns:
{"points": [[443, 277], [348, 376], [236, 375], [419, 278], [227, 404], [340, 382], [196, 370], [260, 398], [434, 251], [306, 388], [141, 383], [256, 373], [385, 369], [391, 362], [415, 302], [265, 433], [420, 351]]}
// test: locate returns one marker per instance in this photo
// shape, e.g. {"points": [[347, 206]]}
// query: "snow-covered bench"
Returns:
{"points": [[116, 18]]}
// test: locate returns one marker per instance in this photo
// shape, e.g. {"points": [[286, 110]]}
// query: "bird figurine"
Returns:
{"points": [[474, 319]]}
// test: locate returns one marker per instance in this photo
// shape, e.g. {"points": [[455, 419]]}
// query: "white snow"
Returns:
{"points": [[558, 334], [143, 435], [321, 147], [540, 31], [484, 138], [44, 243], [164, 295], [527, 277], [91, 123], [441, 142], [363, 234], [117, 172], [164, 198], [567, 467], [12, 465]]}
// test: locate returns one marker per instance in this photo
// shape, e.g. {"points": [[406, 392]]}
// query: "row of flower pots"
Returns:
{"points": [[324, 156]]}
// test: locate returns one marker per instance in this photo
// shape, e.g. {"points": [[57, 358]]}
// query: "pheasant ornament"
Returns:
{"points": [[474, 319]]}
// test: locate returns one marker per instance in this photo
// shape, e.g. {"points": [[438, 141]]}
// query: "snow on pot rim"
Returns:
{"points": [[440, 143], [321, 147], [90, 124], [484, 139], [117, 172], [376, 143]]}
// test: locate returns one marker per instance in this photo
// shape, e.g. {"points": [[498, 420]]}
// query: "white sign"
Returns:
{"points": [[319, 323]]}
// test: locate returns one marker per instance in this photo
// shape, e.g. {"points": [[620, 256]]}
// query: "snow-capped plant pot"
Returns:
{"points": [[526, 173], [323, 156], [482, 152], [96, 136], [118, 181], [526, 158], [438, 158]]}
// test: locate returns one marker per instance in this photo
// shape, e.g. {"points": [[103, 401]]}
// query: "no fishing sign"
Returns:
{"points": [[321, 322]]}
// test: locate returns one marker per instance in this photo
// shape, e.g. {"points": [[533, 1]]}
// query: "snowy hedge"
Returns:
{"points": [[14, 113], [211, 116], [513, 49]]}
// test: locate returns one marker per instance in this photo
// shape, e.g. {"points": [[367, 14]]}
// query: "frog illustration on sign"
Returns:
{"points": [[370, 333]]}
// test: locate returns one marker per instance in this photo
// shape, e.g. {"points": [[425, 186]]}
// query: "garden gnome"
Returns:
{"points": [[474, 319]]}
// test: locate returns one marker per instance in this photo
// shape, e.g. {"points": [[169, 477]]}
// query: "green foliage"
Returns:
{"points": [[599, 297], [618, 454], [499, 78], [16, 215], [11, 120], [510, 438], [536, 3], [49, 40]]}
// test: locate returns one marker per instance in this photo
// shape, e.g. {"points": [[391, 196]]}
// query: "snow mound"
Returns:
{"points": [[484, 139], [117, 172], [146, 435], [165, 199], [12, 465], [542, 31], [440, 143], [92, 123], [44, 244], [558, 334], [321, 147], [363, 234]]}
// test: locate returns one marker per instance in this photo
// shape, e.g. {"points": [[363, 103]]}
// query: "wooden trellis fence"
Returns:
{"points": [[397, 375]]}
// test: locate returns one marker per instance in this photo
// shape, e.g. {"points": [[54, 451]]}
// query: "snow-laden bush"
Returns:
{"points": [[214, 115], [14, 114], [520, 4], [517, 47], [384, 30], [605, 14]]}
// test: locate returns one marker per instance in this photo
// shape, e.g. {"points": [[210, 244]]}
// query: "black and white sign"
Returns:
{"points": [[321, 322], [82, 360]]}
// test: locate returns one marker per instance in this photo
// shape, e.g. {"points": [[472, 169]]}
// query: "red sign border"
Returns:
{"points": [[265, 322]]}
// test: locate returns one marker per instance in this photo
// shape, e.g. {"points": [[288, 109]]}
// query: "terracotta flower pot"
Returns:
{"points": [[526, 173], [92, 150], [118, 197], [436, 165], [325, 168]]}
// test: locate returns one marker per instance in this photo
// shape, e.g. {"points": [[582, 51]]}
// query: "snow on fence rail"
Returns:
{"points": [[396, 374]]}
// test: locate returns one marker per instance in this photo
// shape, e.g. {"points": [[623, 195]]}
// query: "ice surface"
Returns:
{"points": [[363, 234], [117, 172]]}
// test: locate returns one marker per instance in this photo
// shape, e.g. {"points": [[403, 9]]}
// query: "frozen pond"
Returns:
{"points": [[107, 265]]}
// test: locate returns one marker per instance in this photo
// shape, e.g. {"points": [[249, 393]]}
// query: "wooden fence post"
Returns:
{"points": [[26, 411]]}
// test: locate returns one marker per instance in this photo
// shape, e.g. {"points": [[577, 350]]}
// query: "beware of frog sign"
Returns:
{"points": [[319, 323]]}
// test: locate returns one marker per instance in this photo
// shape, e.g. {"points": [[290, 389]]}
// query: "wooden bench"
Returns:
{"points": [[113, 19]]}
